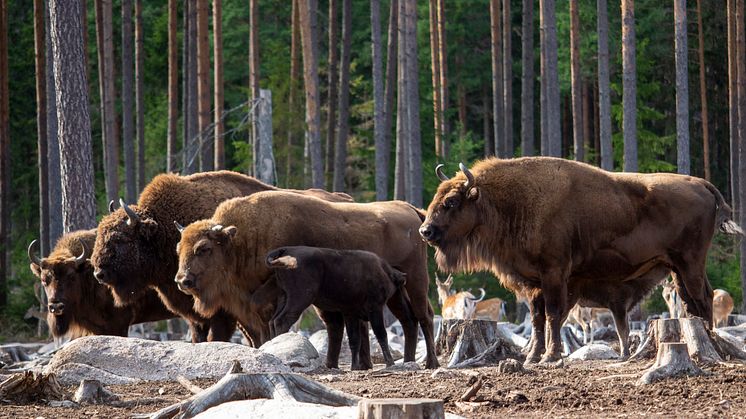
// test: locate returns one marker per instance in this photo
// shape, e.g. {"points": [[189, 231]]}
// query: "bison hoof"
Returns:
{"points": [[552, 360]]}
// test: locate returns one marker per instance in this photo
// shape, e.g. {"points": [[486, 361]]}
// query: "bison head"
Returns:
{"points": [[452, 217], [126, 251], [204, 259], [63, 277]]}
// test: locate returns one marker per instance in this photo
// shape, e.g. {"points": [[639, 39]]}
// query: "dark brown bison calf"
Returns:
{"points": [[344, 285]]}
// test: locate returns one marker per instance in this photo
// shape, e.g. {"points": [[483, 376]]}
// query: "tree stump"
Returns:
{"points": [[672, 360], [92, 392], [703, 345], [400, 409], [482, 340], [27, 386]]}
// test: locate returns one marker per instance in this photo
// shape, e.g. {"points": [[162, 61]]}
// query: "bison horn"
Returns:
{"points": [[179, 226], [82, 258], [133, 217], [31, 255], [439, 172], [469, 177], [111, 206]]}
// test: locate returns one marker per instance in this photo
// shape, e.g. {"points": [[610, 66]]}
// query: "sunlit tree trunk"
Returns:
{"points": [[343, 126], [554, 136], [733, 107], [497, 78], [309, 39], [507, 80], [173, 87], [4, 156], [293, 89], [435, 70], [604, 97], [128, 145], [389, 89], [527, 79], [629, 86], [703, 93], [682, 88], [217, 31], [139, 95], [53, 149], [333, 95], [379, 136], [577, 106], [204, 102]]}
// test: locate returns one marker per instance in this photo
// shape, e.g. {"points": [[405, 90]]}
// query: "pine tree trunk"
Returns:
{"points": [[604, 96], [4, 156], [128, 146], [78, 200], [703, 94], [682, 88], [191, 138], [388, 96], [741, 103], [217, 33], [111, 136], [414, 195], [733, 109], [294, 82], [489, 140], [587, 121], [544, 150], [507, 80], [445, 129], [204, 104], [629, 86], [254, 80], [173, 87], [527, 79], [53, 149], [378, 102], [139, 95], [554, 140], [309, 37], [402, 132], [497, 78], [343, 126], [577, 105], [333, 95], [435, 70]]}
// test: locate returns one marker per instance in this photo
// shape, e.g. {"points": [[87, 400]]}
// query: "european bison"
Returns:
{"points": [[223, 257], [78, 304], [353, 283], [565, 232], [134, 248]]}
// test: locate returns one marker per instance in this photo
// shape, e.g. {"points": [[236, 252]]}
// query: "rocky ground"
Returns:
{"points": [[583, 388]]}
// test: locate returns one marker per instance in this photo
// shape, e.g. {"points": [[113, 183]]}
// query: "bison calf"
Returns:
{"points": [[353, 283]]}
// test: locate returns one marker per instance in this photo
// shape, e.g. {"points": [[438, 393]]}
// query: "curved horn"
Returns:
{"points": [[82, 258], [133, 217], [469, 177], [31, 255], [439, 172], [179, 227], [482, 296], [111, 206]]}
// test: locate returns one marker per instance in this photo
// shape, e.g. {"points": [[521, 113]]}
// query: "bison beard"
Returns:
{"points": [[562, 232]]}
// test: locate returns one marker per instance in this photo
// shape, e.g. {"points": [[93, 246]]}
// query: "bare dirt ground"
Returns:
{"points": [[580, 389]]}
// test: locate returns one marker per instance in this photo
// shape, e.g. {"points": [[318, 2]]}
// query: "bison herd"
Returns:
{"points": [[224, 250]]}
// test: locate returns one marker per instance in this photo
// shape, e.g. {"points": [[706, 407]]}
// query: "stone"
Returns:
{"points": [[277, 409], [293, 350], [594, 351]]}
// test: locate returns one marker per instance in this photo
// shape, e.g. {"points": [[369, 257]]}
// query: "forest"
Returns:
{"points": [[367, 97]]}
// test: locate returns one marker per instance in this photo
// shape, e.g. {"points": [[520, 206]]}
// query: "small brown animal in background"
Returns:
{"points": [[722, 306], [490, 309], [585, 317], [455, 305], [673, 301]]}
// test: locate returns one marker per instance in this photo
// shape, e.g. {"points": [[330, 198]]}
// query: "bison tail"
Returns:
{"points": [[278, 259], [398, 277], [724, 213]]}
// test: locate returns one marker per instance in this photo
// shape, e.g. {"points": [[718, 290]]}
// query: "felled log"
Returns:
{"points": [[242, 386], [672, 361], [28, 386], [400, 409], [480, 342], [703, 345]]}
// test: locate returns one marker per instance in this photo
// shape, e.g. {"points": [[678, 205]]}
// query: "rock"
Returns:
{"points": [[320, 341], [594, 351], [510, 366], [396, 346], [605, 333], [277, 409], [735, 340], [404, 366], [118, 360], [293, 350]]}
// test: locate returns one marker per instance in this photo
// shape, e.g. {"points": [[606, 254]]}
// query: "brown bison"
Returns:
{"points": [[222, 258], [78, 304], [565, 232], [135, 244], [352, 283]]}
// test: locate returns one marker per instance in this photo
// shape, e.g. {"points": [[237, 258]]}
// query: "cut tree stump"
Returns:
{"points": [[400, 409], [471, 343], [243, 386], [28, 386], [92, 392], [703, 346], [672, 361]]}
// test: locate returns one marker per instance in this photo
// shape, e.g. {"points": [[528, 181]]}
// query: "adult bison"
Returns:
{"points": [[563, 232], [78, 304], [223, 258], [135, 245]]}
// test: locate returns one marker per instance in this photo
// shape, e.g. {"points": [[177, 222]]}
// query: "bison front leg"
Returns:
{"points": [[335, 330], [554, 288], [538, 323], [222, 326], [622, 329]]}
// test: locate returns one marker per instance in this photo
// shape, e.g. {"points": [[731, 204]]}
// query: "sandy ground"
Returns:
{"points": [[579, 389]]}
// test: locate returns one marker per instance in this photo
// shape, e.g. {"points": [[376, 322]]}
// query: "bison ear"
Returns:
{"points": [[35, 269], [230, 231], [472, 193]]}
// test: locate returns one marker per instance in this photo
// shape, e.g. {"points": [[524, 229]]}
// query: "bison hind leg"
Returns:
{"points": [[379, 329], [695, 290]]}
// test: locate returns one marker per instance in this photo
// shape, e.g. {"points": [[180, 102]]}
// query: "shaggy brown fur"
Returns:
{"points": [[132, 257], [563, 232], [224, 256], [78, 304]]}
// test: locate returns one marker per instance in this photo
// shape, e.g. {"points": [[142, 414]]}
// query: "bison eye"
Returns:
{"points": [[451, 203], [202, 251]]}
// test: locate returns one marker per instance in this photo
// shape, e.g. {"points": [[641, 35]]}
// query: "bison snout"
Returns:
{"points": [[56, 308], [428, 232], [186, 281]]}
